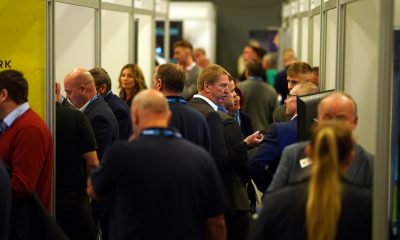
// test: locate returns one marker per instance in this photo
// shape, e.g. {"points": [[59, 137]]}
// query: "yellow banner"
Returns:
{"points": [[23, 45]]}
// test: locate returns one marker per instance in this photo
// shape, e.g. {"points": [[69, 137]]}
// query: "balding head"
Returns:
{"points": [[79, 87], [339, 106], [149, 109], [298, 90]]}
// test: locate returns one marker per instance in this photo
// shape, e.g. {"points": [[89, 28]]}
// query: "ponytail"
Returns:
{"points": [[324, 193]]}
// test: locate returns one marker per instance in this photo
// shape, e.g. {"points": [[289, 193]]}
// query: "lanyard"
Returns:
{"points": [[90, 102], [166, 132], [176, 100]]}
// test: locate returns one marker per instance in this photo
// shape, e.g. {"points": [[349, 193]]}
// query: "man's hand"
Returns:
{"points": [[254, 139]]}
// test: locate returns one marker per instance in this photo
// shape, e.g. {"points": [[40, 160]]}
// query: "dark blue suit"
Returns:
{"points": [[266, 158], [104, 124], [190, 123], [122, 113]]}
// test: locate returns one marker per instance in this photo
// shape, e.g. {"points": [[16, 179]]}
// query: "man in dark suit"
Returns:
{"points": [[266, 158], [162, 186], [117, 105], [228, 147], [294, 166], [169, 80], [81, 92]]}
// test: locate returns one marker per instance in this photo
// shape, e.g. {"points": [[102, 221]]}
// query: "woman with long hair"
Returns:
{"points": [[131, 81], [326, 206]]}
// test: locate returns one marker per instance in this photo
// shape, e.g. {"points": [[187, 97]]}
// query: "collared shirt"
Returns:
{"points": [[211, 103], [16, 113], [293, 117], [190, 67]]}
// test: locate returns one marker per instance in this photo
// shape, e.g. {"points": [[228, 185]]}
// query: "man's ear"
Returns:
{"points": [[82, 89], [102, 89], [159, 85], [206, 86], [3, 94]]}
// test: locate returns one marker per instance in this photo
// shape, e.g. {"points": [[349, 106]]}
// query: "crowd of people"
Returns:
{"points": [[188, 156]]}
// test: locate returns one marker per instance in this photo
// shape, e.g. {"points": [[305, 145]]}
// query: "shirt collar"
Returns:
{"points": [[12, 116], [83, 108], [213, 105], [295, 116], [190, 67]]}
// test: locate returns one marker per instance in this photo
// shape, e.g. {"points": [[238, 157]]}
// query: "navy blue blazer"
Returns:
{"points": [[122, 113], [190, 123], [104, 124], [265, 160]]}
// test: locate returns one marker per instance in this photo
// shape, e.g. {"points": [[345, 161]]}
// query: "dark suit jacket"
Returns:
{"points": [[283, 216], [234, 172], [122, 113], [290, 171], [104, 124], [191, 124], [281, 85], [245, 124], [218, 147], [229, 151], [265, 160]]}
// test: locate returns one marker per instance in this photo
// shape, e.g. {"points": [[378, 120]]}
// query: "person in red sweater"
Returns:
{"points": [[26, 145]]}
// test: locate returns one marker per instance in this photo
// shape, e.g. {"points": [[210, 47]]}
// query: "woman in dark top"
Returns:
{"points": [[324, 207], [131, 81]]}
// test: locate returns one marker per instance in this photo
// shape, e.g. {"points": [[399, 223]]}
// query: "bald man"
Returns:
{"points": [[161, 185], [81, 91], [294, 167]]}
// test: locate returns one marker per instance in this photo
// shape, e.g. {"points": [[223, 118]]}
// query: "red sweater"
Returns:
{"points": [[27, 147]]}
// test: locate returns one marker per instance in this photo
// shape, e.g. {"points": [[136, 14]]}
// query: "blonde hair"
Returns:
{"points": [[331, 144], [211, 74]]}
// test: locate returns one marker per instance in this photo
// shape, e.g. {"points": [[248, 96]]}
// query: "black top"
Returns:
{"points": [[122, 114], [190, 123], [281, 85], [284, 214], [5, 203], [74, 137], [161, 186]]}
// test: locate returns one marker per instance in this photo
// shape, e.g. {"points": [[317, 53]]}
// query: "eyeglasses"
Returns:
{"points": [[290, 95]]}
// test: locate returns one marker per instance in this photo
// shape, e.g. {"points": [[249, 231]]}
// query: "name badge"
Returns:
{"points": [[305, 162]]}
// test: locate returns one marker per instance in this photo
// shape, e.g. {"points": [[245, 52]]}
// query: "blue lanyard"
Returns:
{"points": [[90, 102], [166, 132], [256, 78], [176, 100]]}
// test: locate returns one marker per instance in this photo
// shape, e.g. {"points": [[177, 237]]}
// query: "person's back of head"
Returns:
{"points": [[172, 78], [149, 109], [270, 61], [102, 80], [289, 57], [330, 149], [15, 84], [254, 69]]}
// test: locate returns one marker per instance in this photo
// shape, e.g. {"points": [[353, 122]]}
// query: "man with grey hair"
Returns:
{"points": [[266, 158], [294, 166], [160, 179]]}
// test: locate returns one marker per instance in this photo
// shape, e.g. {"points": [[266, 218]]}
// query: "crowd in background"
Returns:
{"points": [[188, 157]]}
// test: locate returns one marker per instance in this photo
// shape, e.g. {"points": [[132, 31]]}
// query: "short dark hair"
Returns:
{"points": [[255, 68], [101, 77], [16, 85], [172, 76], [299, 68], [183, 44]]}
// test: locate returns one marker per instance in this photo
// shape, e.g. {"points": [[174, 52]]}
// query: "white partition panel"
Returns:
{"points": [[146, 51], [74, 39], [114, 44], [396, 13], [304, 39], [361, 67], [199, 26], [295, 39], [331, 46], [316, 20]]}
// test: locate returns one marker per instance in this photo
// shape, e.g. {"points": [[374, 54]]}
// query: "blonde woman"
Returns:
{"points": [[131, 81], [326, 206]]}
